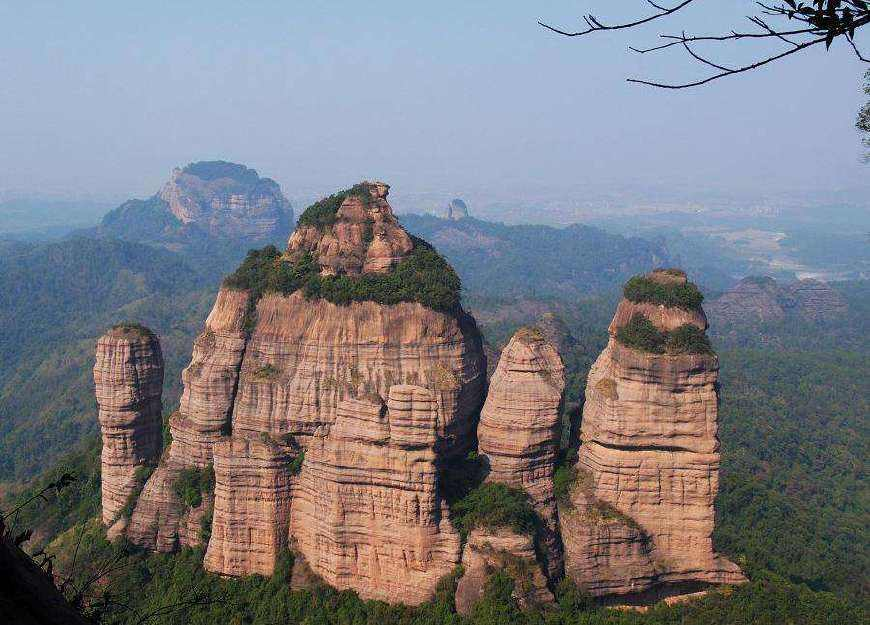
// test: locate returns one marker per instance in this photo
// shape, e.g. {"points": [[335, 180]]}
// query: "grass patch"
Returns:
{"points": [[644, 289]]}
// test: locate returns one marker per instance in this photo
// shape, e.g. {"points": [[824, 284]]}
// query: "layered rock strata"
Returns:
{"points": [[648, 467], [159, 520], [365, 238], [227, 199], [502, 549], [251, 505], [306, 356], [367, 513], [128, 378], [519, 430]]}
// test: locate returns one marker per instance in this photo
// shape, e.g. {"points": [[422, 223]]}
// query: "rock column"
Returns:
{"points": [[128, 376]]}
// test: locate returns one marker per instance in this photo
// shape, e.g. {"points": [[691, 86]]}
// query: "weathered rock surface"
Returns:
{"points": [[128, 377], [305, 356], [756, 300], [519, 430], [489, 550], [227, 200], [365, 238], [816, 300], [367, 513], [159, 520], [456, 209], [251, 506], [210, 381], [649, 464]]}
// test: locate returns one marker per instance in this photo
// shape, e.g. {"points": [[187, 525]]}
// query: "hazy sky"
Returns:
{"points": [[104, 98]]}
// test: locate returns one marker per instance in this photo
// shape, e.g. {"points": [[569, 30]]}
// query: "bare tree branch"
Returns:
{"points": [[820, 21]]}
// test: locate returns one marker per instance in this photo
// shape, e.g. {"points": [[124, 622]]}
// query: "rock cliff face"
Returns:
{"points": [[365, 237], [764, 300], [227, 200], [519, 430], [641, 512], [128, 377], [367, 512], [251, 505], [325, 424], [503, 549], [456, 209]]}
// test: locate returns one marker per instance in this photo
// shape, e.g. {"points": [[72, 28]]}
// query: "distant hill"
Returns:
{"points": [[57, 298], [499, 260], [205, 206]]}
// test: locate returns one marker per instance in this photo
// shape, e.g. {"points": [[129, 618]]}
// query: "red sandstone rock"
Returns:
{"points": [[367, 513], [519, 429], [128, 377]]}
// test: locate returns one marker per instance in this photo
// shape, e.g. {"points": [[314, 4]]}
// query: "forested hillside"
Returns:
{"points": [[57, 298], [498, 260]]}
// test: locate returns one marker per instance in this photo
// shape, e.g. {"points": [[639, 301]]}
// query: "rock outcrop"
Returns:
{"points": [[227, 200], [505, 550], [760, 300], [367, 512], [305, 356], [456, 209], [251, 505], [365, 237], [203, 209], [519, 430], [128, 377], [325, 423], [641, 512]]}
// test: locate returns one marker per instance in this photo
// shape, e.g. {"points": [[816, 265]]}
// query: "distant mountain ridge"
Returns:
{"points": [[496, 259]]}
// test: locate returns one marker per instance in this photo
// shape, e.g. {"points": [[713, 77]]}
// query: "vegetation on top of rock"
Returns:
{"points": [[322, 214], [494, 506], [640, 333], [213, 170], [192, 483], [133, 327], [423, 277], [644, 289]]}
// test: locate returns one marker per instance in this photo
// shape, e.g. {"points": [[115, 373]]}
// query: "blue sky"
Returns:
{"points": [[104, 98]]}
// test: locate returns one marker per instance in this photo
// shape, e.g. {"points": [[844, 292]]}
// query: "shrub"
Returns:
{"points": [[640, 333], [563, 480], [192, 483], [496, 505], [322, 214], [688, 339], [133, 327], [643, 289], [296, 464], [423, 277]]}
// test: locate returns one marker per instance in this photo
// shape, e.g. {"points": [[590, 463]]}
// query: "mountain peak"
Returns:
{"points": [[352, 232]]}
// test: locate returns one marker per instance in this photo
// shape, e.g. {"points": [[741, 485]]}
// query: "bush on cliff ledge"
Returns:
{"points": [[192, 483], [494, 505], [643, 289], [322, 214], [640, 333], [423, 277]]}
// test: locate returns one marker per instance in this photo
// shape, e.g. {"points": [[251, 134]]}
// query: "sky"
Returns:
{"points": [[103, 99]]}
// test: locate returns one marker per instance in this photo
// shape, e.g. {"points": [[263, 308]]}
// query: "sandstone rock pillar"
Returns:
{"points": [[128, 376], [519, 430]]}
